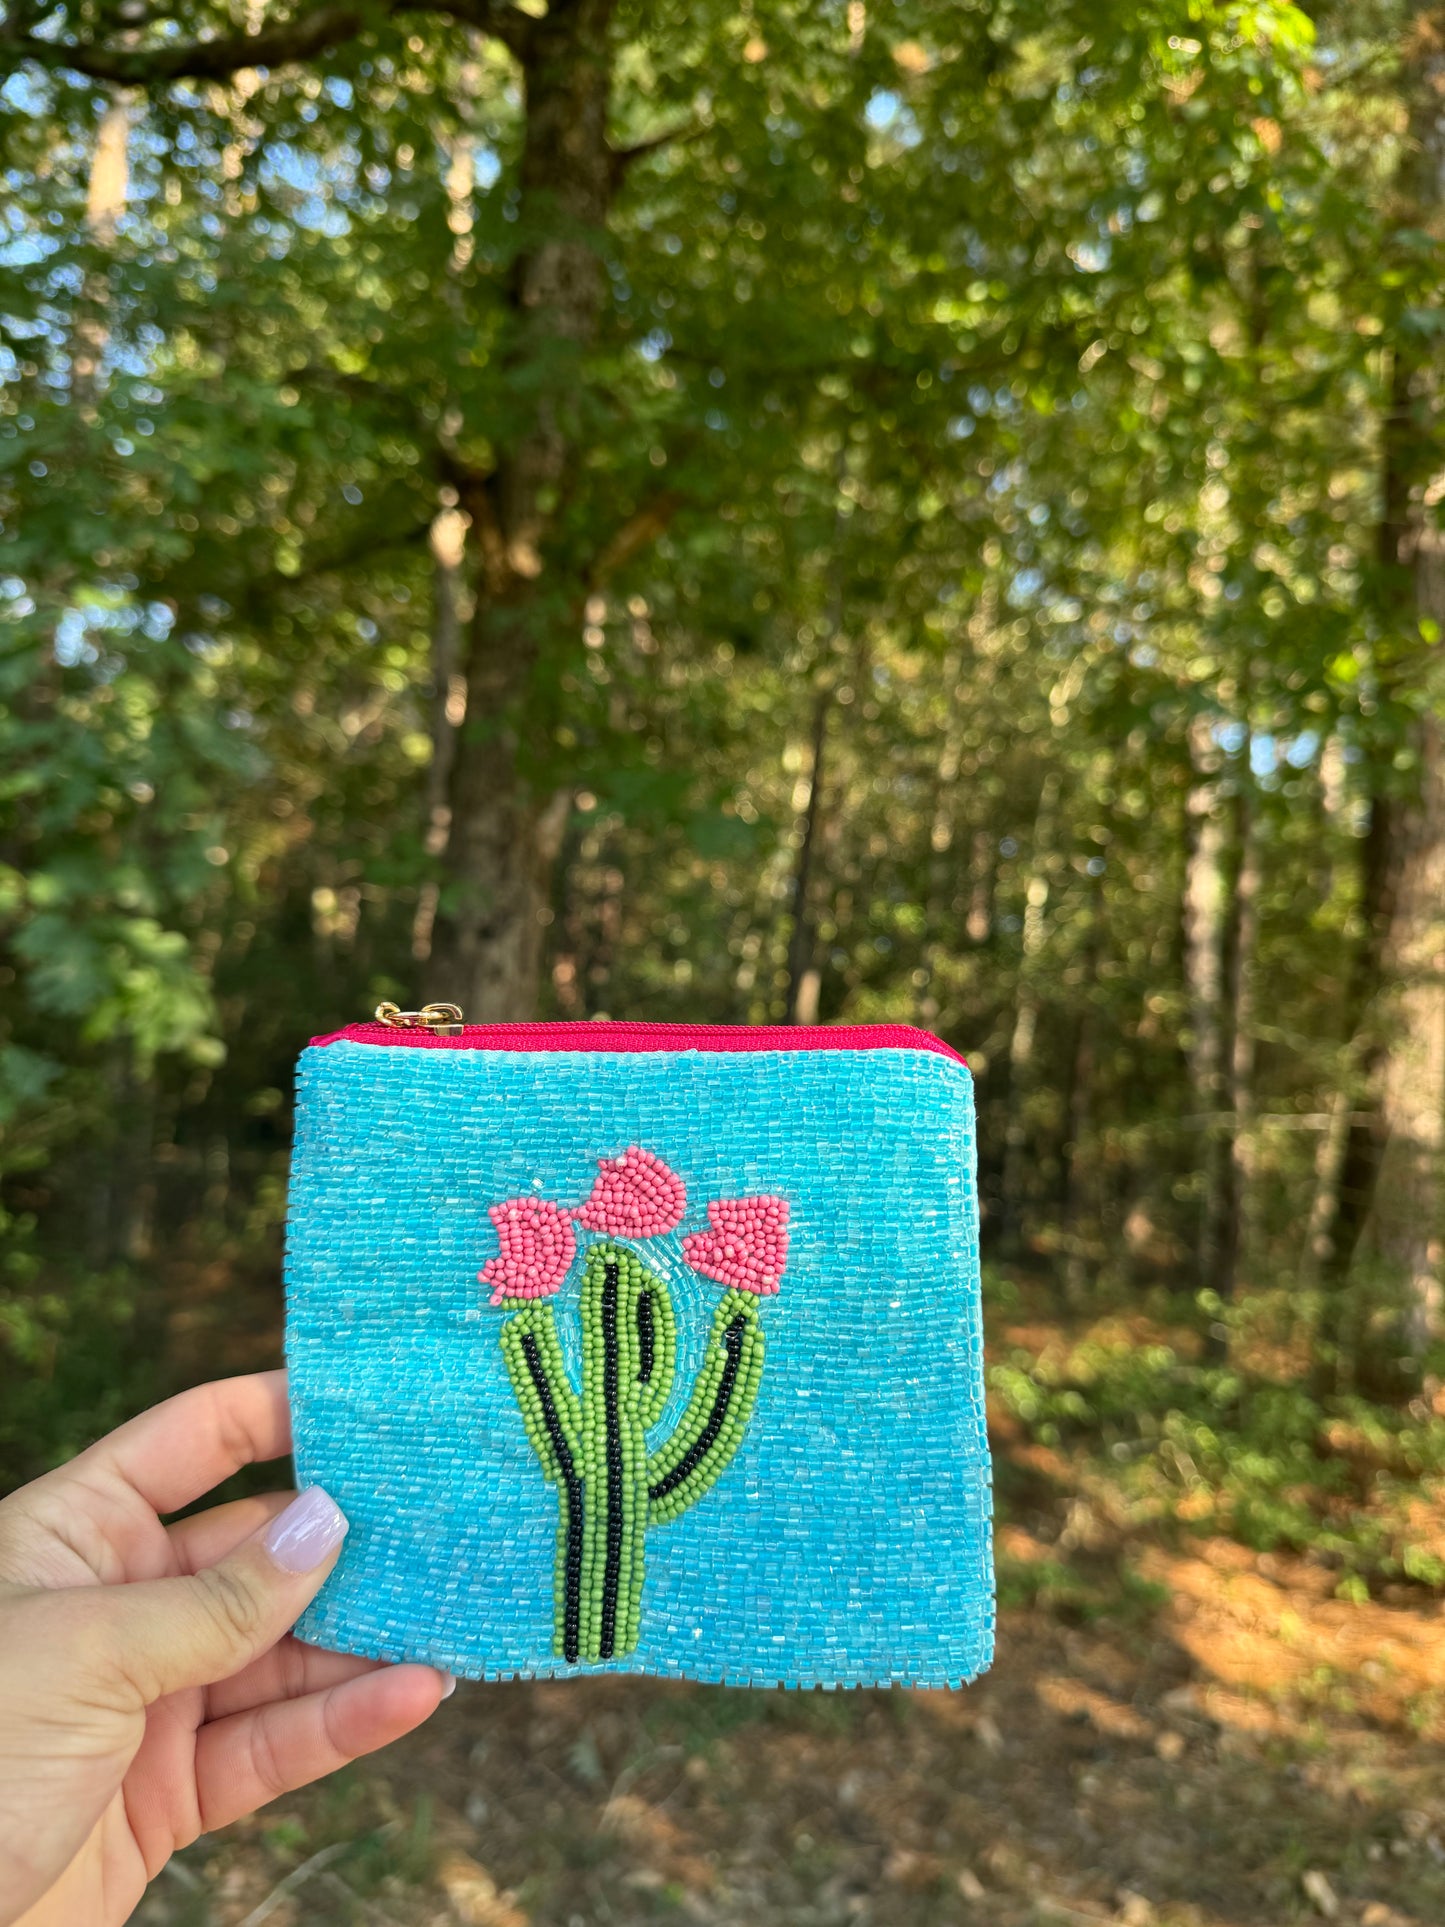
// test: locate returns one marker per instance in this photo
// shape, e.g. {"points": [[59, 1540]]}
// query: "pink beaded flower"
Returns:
{"points": [[538, 1246], [747, 1247], [634, 1196]]}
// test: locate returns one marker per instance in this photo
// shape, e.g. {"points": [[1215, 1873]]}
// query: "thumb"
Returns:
{"points": [[166, 1634]]}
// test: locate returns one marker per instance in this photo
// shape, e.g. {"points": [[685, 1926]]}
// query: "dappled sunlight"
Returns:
{"points": [[770, 514], [1280, 1635], [1075, 1699]]}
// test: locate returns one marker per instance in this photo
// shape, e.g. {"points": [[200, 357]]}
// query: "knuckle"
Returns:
{"points": [[236, 1604], [293, 1669], [234, 1426], [265, 1763], [25, 1541]]}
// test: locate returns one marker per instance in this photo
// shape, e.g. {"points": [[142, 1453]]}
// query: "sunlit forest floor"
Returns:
{"points": [[1181, 1730]]}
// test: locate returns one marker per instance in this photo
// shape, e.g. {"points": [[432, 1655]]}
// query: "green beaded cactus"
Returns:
{"points": [[593, 1446]]}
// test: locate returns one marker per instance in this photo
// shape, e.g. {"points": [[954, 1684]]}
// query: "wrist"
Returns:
{"points": [[46, 1912], [72, 1899]]}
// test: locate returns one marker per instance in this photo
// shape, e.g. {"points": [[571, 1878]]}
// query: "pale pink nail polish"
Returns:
{"points": [[450, 1685], [312, 1526]]}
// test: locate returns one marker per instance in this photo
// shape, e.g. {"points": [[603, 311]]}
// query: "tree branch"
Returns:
{"points": [[496, 18], [452, 469], [253, 596], [638, 532], [304, 37], [623, 157]]}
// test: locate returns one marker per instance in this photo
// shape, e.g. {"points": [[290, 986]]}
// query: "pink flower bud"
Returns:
{"points": [[747, 1247], [537, 1247], [634, 1196]]}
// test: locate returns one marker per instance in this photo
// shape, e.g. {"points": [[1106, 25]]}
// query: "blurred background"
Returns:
{"points": [[900, 510]]}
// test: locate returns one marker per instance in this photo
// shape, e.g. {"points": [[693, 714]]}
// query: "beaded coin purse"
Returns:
{"points": [[648, 1348]]}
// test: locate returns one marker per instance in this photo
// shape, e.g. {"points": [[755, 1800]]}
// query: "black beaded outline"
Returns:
{"points": [[566, 1465], [697, 1451], [612, 1564], [646, 1338]]}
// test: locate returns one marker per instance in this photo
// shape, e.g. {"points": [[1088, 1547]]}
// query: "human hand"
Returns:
{"points": [[150, 1689]]}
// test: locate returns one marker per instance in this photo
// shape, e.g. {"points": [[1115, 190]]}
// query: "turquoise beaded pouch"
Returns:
{"points": [[643, 1348]]}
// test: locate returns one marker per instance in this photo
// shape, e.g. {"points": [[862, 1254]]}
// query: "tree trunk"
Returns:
{"points": [[1239, 1200], [1028, 1004], [107, 190], [506, 818], [448, 706], [1080, 1223], [804, 980], [1349, 1154], [1391, 1219], [1350, 1157], [1209, 942], [1320, 1257], [1405, 1225], [942, 863], [983, 876]]}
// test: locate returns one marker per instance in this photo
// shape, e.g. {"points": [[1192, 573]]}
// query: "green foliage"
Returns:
{"points": [[993, 393], [1056, 1587], [1198, 1446], [77, 1358]]}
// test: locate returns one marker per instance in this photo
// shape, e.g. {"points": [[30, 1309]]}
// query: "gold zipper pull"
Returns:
{"points": [[442, 1020]]}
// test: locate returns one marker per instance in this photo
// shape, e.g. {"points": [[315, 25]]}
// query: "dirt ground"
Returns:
{"points": [[1233, 1747]]}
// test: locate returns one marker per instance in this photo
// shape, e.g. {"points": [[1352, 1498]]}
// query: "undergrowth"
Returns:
{"points": [[1172, 1438]]}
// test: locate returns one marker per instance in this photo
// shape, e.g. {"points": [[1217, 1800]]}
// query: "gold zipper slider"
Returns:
{"points": [[442, 1020]]}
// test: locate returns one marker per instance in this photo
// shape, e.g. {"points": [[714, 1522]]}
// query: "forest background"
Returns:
{"points": [[906, 510]]}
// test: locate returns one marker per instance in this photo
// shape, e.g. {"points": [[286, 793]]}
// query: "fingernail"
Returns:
{"points": [[312, 1526], [449, 1685]]}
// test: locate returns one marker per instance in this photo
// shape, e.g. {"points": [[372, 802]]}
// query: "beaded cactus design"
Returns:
{"points": [[593, 1445]]}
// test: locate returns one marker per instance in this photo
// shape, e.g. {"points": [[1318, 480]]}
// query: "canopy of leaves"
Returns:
{"points": [[991, 393]]}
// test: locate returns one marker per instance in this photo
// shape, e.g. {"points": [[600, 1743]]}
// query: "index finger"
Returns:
{"points": [[179, 1450]]}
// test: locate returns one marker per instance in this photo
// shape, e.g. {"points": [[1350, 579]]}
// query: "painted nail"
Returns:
{"points": [[449, 1685], [310, 1528]]}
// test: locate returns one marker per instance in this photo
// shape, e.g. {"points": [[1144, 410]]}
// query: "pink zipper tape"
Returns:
{"points": [[618, 1035]]}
